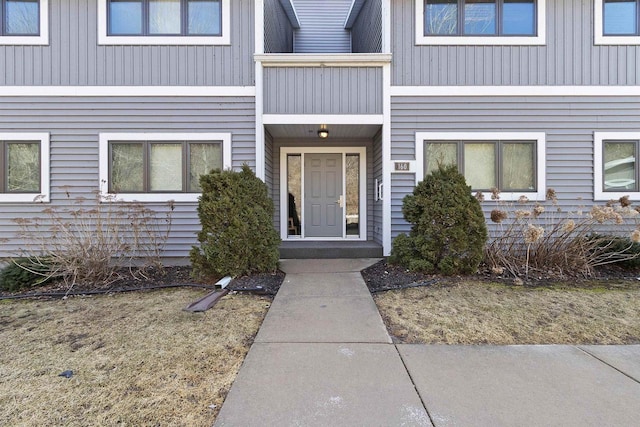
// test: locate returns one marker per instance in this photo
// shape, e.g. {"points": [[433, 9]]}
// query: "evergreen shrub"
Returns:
{"points": [[448, 231], [21, 273], [237, 236]]}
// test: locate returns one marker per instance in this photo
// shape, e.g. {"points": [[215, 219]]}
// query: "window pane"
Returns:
{"points": [[164, 16], [479, 17], [438, 153], [480, 165], [166, 167], [620, 17], [127, 171], [203, 157], [23, 167], [619, 166], [204, 17], [518, 166], [518, 17], [125, 17], [440, 17], [22, 17], [352, 197], [294, 180]]}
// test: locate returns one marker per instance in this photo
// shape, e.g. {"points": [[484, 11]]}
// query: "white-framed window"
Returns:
{"points": [[480, 22], [615, 169], [24, 167], [164, 22], [155, 167], [617, 22], [24, 22], [513, 162]]}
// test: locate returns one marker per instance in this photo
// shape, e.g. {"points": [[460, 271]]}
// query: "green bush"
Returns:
{"points": [[616, 250], [23, 273], [448, 230], [237, 236]]}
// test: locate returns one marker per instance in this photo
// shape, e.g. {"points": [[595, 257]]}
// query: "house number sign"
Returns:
{"points": [[402, 166]]}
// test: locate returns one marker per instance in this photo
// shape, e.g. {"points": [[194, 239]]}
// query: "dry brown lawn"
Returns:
{"points": [[138, 359], [489, 313]]}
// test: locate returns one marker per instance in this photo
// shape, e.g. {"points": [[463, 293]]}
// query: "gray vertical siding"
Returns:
{"points": [[74, 125], [278, 32], [322, 26], [376, 219], [366, 34], [569, 57], [73, 56], [268, 162], [286, 142], [568, 122], [323, 90]]}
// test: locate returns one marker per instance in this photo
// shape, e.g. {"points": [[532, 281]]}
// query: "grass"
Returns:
{"points": [[489, 313], [137, 358]]}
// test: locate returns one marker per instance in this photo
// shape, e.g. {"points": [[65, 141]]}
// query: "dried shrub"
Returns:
{"points": [[237, 236], [540, 237], [448, 229], [95, 239]]}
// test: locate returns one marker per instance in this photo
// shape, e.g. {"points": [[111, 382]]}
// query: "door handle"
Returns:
{"points": [[340, 201]]}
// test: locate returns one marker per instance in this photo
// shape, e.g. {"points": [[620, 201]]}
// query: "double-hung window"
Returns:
{"points": [[158, 167], [479, 22], [24, 167], [156, 22], [617, 22], [616, 171], [510, 162], [23, 22]]}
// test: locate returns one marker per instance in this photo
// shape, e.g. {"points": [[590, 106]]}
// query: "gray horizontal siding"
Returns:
{"points": [[366, 34], [322, 26], [278, 32], [324, 90], [73, 56], [279, 143], [568, 122], [377, 174], [569, 57], [74, 125]]}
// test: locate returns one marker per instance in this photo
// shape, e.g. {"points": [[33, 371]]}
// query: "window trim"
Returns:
{"points": [[40, 40], [600, 38], [540, 151], [599, 194], [537, 40], [105, 138], [105, 39], [45, 179]]}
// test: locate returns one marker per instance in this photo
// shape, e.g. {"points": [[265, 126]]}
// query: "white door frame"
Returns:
{"points": [[284, 185]]}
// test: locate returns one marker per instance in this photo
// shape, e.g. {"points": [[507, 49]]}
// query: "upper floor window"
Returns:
{"points": [[480, 22], [164, 22], [616, 171], [156, 167], [24, 171], [617, 22], [23, 22], [510, 162]]}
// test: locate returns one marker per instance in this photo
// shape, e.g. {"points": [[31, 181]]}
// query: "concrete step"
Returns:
{"points": [[341, 249]]}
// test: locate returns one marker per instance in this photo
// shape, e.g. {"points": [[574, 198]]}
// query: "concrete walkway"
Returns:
{"points": [[323, 358]]}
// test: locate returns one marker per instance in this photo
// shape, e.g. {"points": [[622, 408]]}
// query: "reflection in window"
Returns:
{"points": [[352, 197], [441, 17], [294, 180], [479, 17], [621, 17], [166, 167], [620, 165], [480, 165], [22, 166], [21, 17], [440, 154]]}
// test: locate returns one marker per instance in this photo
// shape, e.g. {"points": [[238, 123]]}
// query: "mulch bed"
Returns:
{"points": [[262, 284]]}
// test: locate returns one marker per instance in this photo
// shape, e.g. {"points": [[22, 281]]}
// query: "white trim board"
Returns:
{"points": [[539, 137], [538, 40], [598, 30], [323, 59], [40, 40], [45, 173], [328, 119], [103, 165], [142, 91], [224, 39], [515, 90], [598, 164], [284, 200]]}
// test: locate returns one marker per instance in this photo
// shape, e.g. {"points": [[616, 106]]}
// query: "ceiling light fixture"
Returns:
{"points": [[323, 132]]}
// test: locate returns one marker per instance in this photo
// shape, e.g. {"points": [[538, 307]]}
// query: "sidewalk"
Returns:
{"points": [[323, 358]]}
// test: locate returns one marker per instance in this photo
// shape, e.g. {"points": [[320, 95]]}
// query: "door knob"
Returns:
{"points": [[340, 201]]}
